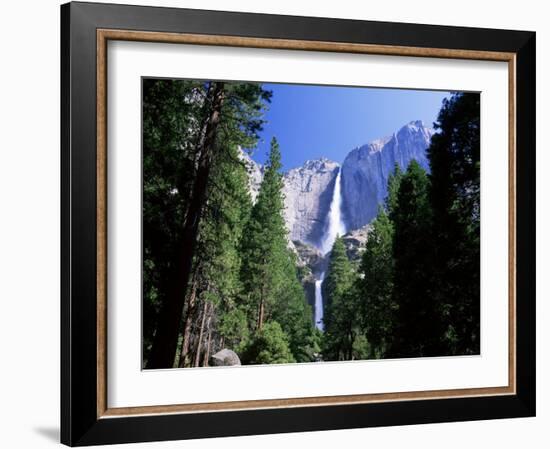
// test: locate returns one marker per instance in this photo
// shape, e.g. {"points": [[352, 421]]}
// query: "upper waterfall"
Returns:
{"points": [[335, 225], [308, 192]]}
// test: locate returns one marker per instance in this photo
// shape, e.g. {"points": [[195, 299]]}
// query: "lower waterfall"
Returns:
{"points": [[335, 227], [319, 302]]}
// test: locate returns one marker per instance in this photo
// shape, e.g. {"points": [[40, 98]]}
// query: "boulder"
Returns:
{"points": [[225, 357]]}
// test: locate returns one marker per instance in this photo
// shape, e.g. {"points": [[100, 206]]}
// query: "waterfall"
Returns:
{"points": [[319, 302], [335, 223], [335, 227]]}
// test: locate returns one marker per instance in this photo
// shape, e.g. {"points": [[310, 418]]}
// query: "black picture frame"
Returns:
{"points": [[80, 423]]}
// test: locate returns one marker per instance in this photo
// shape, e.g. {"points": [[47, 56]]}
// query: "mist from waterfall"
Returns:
{"points": [[335, 227]]}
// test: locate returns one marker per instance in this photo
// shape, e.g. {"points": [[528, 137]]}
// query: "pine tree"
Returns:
{"points": [[170, 112], [376, 301], [217, 260], [394, 181], [341, 317], [271, 286], [227, 115], [455, 201], [264, 243], [417, 328], [293, 313]]}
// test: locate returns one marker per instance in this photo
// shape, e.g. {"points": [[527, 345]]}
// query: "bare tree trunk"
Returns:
{"points": [[350, 344], [261, 311], [187, 324], [261, 314], [201, 333], [166, 338], [207, 355]]}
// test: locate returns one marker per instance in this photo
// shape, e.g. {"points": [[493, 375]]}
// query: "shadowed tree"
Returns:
{"points": [[417, 328], [341, 316], [455, 201], [227, 112], [377, 304]]}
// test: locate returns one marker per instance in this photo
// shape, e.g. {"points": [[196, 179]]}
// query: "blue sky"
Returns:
{"points": [[314, 121]]}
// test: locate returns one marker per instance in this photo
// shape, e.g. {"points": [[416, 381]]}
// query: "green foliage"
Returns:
{"points": [[340, 272], [234, 329], [431, 302], [394, 181], [414, 293], [174, 117], [243, 114], [454, 197], [264, 248], [170, 124], [377, 305], [218, 261], [361, 348], [269, 345], [291, 310], [340, 317], [272, 289], [416, 331]]}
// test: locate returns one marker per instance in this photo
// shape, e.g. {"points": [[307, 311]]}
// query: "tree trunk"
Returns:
{"points": [[207, 354], [261, 314], [201, 333], [187, 324], [165, 342], [261, 308], [350, 347]]}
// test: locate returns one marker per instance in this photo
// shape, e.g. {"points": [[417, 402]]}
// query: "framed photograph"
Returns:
{"points": [[282, 224]]}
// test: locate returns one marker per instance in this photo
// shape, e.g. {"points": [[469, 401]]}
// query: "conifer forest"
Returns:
{"points": [[247, 260]]}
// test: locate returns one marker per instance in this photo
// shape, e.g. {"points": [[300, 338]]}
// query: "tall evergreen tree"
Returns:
{"points": [[377, 304], [229, 114], [417, 329], [394, 181], [294, 314], [264, 245], [170, 111], [218, 271], [269, 274], [455, 201], [341, 317], [217, 260]]}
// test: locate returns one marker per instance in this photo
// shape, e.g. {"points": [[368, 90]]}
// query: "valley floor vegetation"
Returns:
{"points": [[218, 270]]}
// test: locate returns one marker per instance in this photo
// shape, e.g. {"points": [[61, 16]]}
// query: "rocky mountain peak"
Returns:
{"points": [[415, 124], [308, 189], [366, 169], [321, 164], [415, 130]]}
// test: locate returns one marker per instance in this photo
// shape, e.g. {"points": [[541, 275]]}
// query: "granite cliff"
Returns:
{"points": [[308, 190], [366, 169]]}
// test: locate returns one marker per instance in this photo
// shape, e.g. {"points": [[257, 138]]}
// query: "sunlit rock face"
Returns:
{"points": [[366, 169], [323, 200], [255, 174], [308, 193], [309, 190]]}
